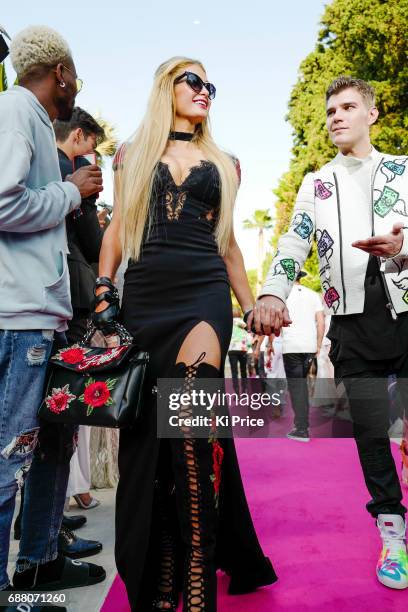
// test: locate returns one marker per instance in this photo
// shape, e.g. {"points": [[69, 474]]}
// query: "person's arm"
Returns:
{"points": [[237, 275], [111, 251], [89, 232], [26, 210], [293, 249], [23, 209], [319, 329]]}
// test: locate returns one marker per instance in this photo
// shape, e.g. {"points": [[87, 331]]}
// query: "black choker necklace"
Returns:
{"points": [[181, 136]]}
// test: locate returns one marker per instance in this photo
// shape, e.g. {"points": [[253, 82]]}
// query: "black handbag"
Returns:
{"points": [[96, 386]]}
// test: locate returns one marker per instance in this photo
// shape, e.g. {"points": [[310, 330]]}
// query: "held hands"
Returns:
{"points": [[88, 179], [388, 245], [268, 316]]}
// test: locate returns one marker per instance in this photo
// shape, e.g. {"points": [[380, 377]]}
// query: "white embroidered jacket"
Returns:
{"points": [[331, 208]]}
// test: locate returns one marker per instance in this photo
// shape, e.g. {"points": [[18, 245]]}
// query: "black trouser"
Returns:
{"points": [[236, 357], [369, 406], [77, 326], [296, 368]]}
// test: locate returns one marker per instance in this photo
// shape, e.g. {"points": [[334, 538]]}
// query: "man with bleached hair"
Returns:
{"points": [[35, 305], [356, 208]]}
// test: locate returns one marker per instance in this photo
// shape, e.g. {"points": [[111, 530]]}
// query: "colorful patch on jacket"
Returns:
{"points": [[287, 266], [391, 169], [324, 243], [332, 298], [402, 284], [386, 202], [322, 190], [303, 225]]}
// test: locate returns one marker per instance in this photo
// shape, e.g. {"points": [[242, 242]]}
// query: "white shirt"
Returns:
{"points": [[301, 335]]}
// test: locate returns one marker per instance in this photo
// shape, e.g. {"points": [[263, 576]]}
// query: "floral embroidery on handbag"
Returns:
{"points": [[72, 355], [106, 357], [59, 399], [97, 394]]}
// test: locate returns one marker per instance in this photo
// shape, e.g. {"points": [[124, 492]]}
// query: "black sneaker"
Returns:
{"points": [[301, 435]]}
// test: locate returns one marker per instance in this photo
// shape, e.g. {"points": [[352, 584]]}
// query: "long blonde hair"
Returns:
{"points": [[141, 156]]}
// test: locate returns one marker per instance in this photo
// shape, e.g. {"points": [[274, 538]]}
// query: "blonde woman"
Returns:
{"points": [[181, 509]]}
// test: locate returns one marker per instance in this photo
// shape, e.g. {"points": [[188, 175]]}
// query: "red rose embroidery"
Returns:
{"points": [[97, 394], [217, 456], [59, 399], [72, 355]]}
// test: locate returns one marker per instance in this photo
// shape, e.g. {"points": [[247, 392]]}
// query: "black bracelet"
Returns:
{"points": [[104, 281], [246, 314]]}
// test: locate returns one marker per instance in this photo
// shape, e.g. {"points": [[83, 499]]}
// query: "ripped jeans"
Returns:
{"points": [[23, 366]]}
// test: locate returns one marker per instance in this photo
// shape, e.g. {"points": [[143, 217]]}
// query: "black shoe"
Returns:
{"points": [[73, 522], [73, 547], [62, 573], [301, 435], [70, 522]]}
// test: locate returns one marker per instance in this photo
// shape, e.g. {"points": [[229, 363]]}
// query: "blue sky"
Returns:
{"points": [[251, 49]]}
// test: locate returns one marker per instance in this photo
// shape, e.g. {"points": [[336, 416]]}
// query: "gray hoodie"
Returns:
{"points": [[34, 280]]}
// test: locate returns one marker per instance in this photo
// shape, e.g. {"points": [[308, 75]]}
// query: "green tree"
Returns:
{"points": [[367, 39], [3, 78], [261, 220]]}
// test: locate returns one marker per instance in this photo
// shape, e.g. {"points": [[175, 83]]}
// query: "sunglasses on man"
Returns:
{"points": [[196, 84]]}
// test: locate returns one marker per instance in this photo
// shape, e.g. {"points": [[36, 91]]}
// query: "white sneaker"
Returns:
{"points": [[392, 566]]}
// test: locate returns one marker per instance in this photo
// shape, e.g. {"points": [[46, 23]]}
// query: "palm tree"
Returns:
{"points": [[261, 220]]}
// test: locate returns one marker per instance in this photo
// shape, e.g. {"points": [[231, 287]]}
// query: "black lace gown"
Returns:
{"points": [[180, 281]]}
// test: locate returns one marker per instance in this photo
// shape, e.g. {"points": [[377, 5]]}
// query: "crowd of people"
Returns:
{"points": [[181, 510]]}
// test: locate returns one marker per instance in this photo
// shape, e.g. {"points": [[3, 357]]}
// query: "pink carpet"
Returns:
{"points": [[307, 502]]}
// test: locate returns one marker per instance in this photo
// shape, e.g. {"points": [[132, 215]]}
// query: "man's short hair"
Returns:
{"points": [[36, 47], [80, 119], [345, 82]]}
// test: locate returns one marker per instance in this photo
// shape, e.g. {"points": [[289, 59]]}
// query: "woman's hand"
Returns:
{"points": [[106, 307]]}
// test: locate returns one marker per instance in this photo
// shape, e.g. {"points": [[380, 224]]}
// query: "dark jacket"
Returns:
{"points": [[84, 241]]}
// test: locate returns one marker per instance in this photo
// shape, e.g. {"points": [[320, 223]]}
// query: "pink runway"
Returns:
{"points": [[308, 505]]}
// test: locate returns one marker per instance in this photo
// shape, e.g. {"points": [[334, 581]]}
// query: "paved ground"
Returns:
{"points": [[100, 526]]}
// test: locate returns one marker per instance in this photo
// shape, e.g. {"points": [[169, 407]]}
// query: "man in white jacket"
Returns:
{"points": [[356, 208]]}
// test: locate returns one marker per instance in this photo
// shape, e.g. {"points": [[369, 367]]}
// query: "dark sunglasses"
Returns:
{"points": [[196, 84]]}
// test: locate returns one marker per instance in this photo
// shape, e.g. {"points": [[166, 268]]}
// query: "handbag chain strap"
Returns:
{"points": [[124, 336]]}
